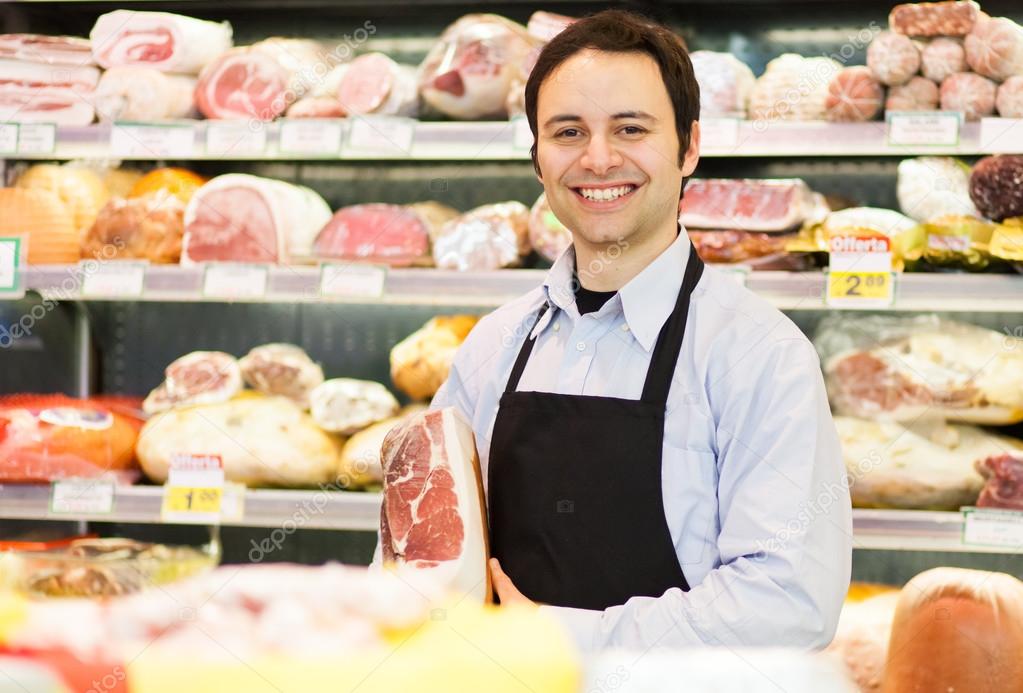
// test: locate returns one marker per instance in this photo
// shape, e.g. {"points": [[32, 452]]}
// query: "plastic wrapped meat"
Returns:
{"points": [[758, 250], [201, 377], [391, 234], [420, 363], [929, 187], [282, 369], [347, 405], [746, 205], [547, 234], [372, 83], [950, 18], [970, 93], [943, 57], [1009, 98], [725, 83], [996, 186], [792, 88], [161, 40], [486, 238], [918, 94], [144, 93], [893, 58], [51, 50], [854, 95], [995, 48], [906, 236], [1003, 475], [144, 228]]}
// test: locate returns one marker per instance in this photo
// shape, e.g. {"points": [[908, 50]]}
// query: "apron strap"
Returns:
{"points": [[669, 342], [524, 352]]}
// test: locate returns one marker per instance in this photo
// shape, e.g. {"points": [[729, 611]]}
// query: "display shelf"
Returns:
{"points": [[373, 139]]}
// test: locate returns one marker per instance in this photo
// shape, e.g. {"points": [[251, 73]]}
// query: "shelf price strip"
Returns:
{"points": [[146, 140], [352, 281], [113, 278], [82, 497], [860, 273], [923, 128], [235, 281], [11, 259], [194, 490], [993, 527]]}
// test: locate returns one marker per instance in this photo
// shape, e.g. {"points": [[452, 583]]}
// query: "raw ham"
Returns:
{"points": [[389, 234], [145, 228], [486, 238], [433, 515], [282, 369], [918, 94], [258, 81], [729, 247], [943, 57], [952, 18], [725, 83], [1009, 98], [969, 93], [746, 205], [893, 58], [52, 50], [144, 93], [373, 83], [36, 92], [995, 48], [201, 377], [1004, 476], [160, 40], [854, 95], [242, 218]]}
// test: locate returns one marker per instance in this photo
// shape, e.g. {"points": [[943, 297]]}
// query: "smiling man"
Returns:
{"points": [[660, 461]]}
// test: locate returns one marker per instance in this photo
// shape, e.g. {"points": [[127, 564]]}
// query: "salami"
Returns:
{"points": [[970, 93], [854, 95], [943, 57], [996, 186], [934, 18], [893, 58], [201, 377], [1009, 98], [995, 48], [918, 94], [1004, 476], [282, 369]]}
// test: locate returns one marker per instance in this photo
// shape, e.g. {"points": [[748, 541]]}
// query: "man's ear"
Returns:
{"points": [[536, 164], [692, 155]]}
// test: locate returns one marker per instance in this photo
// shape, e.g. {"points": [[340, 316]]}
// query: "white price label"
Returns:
{"points": [[717, 134], [522, 136], [112, 278], [313, 137], [82, 497], [352, 281], [956, 244], [235, 281], [991, 527], [859, 273], [389, 136], [151, 141], [37, 138], [8, 138], [10, 265], [1001, 135], [931, 128], [235, 138], [194, 490]]}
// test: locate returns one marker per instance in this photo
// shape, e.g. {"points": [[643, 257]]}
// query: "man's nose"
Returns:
{"points": [[601, 156]]}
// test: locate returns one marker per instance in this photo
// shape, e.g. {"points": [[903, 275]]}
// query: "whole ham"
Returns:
{"points": [[792, 88], [433, 516], [893, 58], [37, 92], [746, 205], [951, 18], [148, 227], [243, 218], [485, 238], [144, 93], [970, 93], [943, 57], [384, 233], [542, 27], [725, 83], [854, 95], [995, 48], [52, 50], [160, 40], [1009, 98], [282, 369], [201, 377], [918, 94], [372, 83], [259, 81], [1004, 476]]}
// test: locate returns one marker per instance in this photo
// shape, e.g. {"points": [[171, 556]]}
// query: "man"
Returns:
{"points": [[660, 461]]}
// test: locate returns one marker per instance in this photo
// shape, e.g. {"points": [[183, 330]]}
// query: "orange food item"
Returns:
{"points": [[179, 182], [42, 217], [82, 191], [46, 437]]}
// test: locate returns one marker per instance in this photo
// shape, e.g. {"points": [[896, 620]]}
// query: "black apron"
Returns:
{"points": [[574, 484]]}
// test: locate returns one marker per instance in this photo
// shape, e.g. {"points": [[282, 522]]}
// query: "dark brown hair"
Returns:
{"points": [[616, 31]]}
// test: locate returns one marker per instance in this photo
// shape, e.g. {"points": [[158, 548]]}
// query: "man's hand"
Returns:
{"points": [[505, 588]]}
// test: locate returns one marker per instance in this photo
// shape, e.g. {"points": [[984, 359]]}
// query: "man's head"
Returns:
{"points": [[612, 103]]}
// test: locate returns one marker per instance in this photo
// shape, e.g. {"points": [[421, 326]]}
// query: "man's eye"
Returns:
{"points": [[568, 132], [633, 130]]}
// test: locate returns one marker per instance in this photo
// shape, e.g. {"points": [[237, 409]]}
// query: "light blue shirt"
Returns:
{"points": [[754, 487]]}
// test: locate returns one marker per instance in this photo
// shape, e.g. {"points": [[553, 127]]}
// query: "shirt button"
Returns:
{"points": [[557, 326], [625, 328], [580, 346]]}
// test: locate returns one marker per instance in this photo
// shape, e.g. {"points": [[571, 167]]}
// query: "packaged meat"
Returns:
{"points": [[259, 81], [372, 84], [725, 83], [201, 377], [80, 189], [923, 465], [347, 405], [952, 18], [918, 94], [929, 187], [957, 630], [433, 516], [467, 75], [1009, 98], [44, 220], [854, 95], [959, 242], [486, 238], [547, 234], [792, 88], [261, 440], [143, 93], [69, 51], [758, 250], [1003, 476], [316, 107], [543, 26], [282, 369], [47, 437], [1007, 242], [943, 57], [893, 58], [746, 204], [160, 40], [179, 182], [420, 363], [861, 641], [140, 228], [996, 186], [243, 218], [394, 235], [904, 368], [906, 236], [434, 215], [360, 466], [38, 92], [969, 93], [994, 48]]}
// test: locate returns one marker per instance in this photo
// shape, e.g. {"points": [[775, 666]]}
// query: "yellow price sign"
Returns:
{"points": [[866, 288], [187, 499]]}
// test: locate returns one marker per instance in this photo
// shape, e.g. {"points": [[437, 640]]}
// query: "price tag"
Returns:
{"points": [[234, 281], [389, 136], [352, 281], [8, 138], [955, 244], [194, 490], [719, 134], [312, 137], [10, 265], [151, 141], [991, 527], [860, 289], [1001, 135], [859, 273], [522, 136], [931, 128], [235, 138], [82, 497], [112, 278], [37, 138]]}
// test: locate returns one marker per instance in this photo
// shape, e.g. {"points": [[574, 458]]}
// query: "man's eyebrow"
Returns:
{"points": [[623, 115], [641, 115]]}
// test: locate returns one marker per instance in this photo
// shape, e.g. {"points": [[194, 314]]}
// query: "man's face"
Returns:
{"points": [[607, 147]]}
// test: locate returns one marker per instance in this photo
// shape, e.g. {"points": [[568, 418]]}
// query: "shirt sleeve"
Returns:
{"points": [[785, 516]]}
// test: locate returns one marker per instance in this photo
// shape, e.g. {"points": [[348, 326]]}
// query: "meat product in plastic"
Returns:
{"points": [[543, 26], [144, 93], [943, 57], [179, 182], [37, 92], [918, 94], [486, 238], [80, 189], [792, 88], [47, 437], [316, 107], [953, 18], [854, 95], [1009, 98], [725, 83], [258, 81], [161, 40], [434, 215], [996, 186], [372, 83], [360, 465], [282, 369], [547, 234], [420, 363], [243, 218], [347, 405], [746, 204], [149, 227], [893, 58], [1003, 475], [40, 215], [468, 73], [383, 233], [969, 93], [201, 377], [995, 48], [433, 515], [729, 247], [51, 50], [929, 187]]}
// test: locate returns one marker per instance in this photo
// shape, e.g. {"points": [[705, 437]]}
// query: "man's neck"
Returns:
{"points": [[610, 266]]}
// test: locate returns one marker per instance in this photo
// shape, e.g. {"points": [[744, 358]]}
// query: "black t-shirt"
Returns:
{"points": [[588, 301]]}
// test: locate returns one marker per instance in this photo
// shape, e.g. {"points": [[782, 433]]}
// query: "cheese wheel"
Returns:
{"points": [[42, 217]]}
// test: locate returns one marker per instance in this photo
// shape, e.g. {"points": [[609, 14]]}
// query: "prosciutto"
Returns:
{"points": [[746, 205], [37, 92], [142, 93], [160, 40]]}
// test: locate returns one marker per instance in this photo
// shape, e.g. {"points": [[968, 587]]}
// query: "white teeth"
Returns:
{"points": [[605, 194]]}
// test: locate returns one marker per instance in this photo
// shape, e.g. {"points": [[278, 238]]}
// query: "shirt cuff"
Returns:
{"points": [[581, 623]]}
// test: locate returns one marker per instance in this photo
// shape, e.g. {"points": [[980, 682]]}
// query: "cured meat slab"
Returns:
{"points": [[746, 205], [36, 92], [1004, 476], [143, 93], [52, 50], [161, 40], [953, 18], [433, 515], [385, 233]]}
